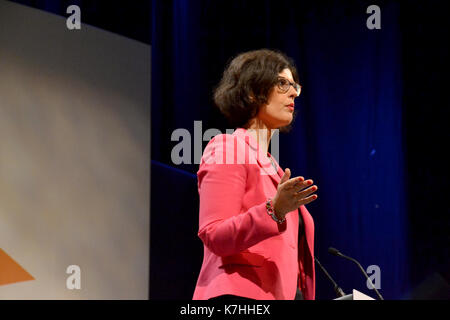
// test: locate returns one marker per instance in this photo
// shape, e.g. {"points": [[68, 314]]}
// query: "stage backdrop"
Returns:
{"points": [[74, 159], [347, 136]]}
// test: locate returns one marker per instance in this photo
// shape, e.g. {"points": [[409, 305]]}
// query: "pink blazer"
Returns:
{"points": [[246, 253]]}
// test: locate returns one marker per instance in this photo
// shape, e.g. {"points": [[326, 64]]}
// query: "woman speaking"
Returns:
{"points": [[257, 234]]}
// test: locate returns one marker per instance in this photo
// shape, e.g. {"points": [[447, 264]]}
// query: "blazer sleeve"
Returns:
{"points": [[222, 184]]}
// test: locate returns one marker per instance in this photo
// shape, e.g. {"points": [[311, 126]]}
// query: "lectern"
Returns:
{"points": [[356, 295]]}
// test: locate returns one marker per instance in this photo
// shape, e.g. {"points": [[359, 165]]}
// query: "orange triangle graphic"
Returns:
{"points": [[11, 271]]}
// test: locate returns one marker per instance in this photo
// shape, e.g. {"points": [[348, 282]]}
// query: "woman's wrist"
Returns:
{"points": [[277, 210], [272, 211]]}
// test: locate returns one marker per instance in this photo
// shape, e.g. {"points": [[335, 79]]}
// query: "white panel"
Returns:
{"points": [[74, 157]]}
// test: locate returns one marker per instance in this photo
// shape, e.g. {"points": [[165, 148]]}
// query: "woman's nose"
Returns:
{"points": [[292, 92]]}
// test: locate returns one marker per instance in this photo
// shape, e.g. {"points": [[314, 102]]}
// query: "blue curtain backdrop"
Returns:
{"points": [[348, 139], [371, 128], [348, 132]]}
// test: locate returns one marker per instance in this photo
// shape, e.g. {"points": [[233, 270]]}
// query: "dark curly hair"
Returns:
{"points": [[247, 83]]}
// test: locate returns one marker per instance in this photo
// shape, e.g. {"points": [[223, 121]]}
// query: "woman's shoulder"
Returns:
{"points": [[225, 139], [223, 148]]}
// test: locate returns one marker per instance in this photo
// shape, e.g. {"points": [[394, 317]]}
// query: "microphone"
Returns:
{"points": [[336, 252], [337, 289]]}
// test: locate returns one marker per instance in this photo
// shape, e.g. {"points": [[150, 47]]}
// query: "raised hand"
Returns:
{"points": [[292, 193]]}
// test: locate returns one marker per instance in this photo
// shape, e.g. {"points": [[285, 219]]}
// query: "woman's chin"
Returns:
{"points": [[287, 121], [284, 123]]}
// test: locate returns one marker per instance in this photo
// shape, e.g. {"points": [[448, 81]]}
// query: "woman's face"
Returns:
{"points": [[279, 110]]}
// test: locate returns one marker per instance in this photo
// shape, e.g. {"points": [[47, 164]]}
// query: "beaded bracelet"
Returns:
{"points": [[271, 212]]}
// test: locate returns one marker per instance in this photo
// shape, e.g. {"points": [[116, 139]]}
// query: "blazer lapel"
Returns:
{"points": [[267, 169], [263, 161]]}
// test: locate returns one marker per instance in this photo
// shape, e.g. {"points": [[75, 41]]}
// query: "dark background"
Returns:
{"points": [[371, 128]]}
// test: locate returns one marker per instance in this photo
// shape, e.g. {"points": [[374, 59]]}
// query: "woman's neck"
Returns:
{"points": [[262, 134]]}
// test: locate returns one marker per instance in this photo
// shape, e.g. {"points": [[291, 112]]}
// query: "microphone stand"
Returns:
{"points": [[339, 292], [335, 252]]}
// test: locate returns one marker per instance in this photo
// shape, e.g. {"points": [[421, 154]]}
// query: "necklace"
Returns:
{"points": [[273, 164]]}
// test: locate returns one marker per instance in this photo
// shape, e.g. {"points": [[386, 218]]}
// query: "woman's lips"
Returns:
{"points": [[291, 108]]}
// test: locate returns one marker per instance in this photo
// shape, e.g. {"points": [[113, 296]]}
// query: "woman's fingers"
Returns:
{"points": [[291, 183], [306, 192], [307, 200], [299, 184], [299, 189], [286, 175]]}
